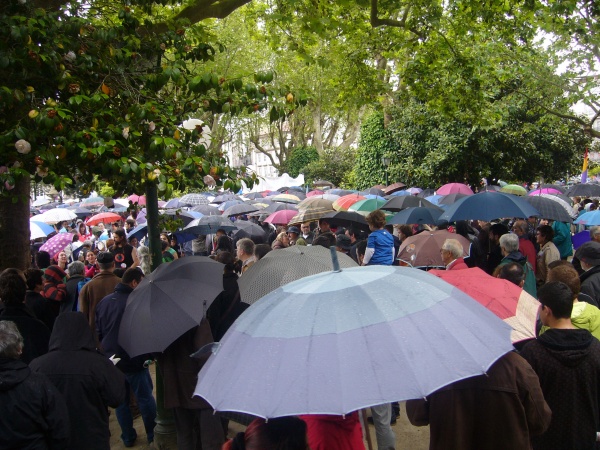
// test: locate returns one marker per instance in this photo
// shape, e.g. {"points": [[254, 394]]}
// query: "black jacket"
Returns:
{"points": [[39, 305], [590, 285], [226, 308], [88, 380], [70, 303], [33, 414], [35, 334]]}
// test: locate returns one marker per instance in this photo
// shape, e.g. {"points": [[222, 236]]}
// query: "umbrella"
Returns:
{"points": [[549, 209], [423, 249], [544, 191], [564, 201], [286, 198], [347, 219], [105, 217], [93, 202], [138, 232], [56, 215], [308, 215], [394, 188], [344, 202], [340, 341], [315, 202], [185, 216], [584, 190], [225, 198], [451, 198], [507, 301], [282, 217], [283, 266], [341, 192], [375, 190], [57, 243], [580, 238], [80, 212], [558, 187], [243, 208], [255, 195], [417, 215], [400, 203], [313, 193], [435, 199], [168, 302], [39, 229], [41, 201], [250, 230], [366, 206], [322, 183], [207, 210], [194, 200], [139, 199], [454, 188], [209, 225], [404, 193], [589, 218], [514, 189], [414, 190], [426, 193], [173, 203], [488, 206]]}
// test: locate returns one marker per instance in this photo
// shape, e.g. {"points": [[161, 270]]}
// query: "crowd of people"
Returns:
{"points": [[60, 352]]}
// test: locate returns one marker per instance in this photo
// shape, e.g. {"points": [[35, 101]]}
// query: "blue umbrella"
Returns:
{"points": [[173, 203], [39, 229], [589, 218], [209, 225], [416, 215], [138, 232], [400, 194], [489, 206]]}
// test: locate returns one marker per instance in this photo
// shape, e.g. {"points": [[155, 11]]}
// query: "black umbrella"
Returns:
{"points": [[489, 206], [225, 198], [451, 198], [417, 215], [249, 230], [80, 212], [207, 210], [209, 225], [426, 193], [242, 208], [168, 302], [347, 219], [407, 201], [549, 209], [584, 190]]}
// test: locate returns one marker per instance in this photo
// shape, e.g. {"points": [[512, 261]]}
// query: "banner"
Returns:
{"points": [[585, 167]]}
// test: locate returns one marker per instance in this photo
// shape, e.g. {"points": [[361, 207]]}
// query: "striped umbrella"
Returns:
{"points": [[366, 206], [315, 202], [308, 215], [39, 229], [345, 202]]}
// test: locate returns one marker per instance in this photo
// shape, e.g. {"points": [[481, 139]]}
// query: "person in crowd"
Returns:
{"points": [[354, 235], [125, 255], [329, 432], [245, 253], [509, 245], [562, 239], [452, 255], [88, 381], [36, 335], [380, 243], [260, 250], [34, 414], [526, 247], [130, 224], [61, 260], [495, 253], [34, 299], [294, 234], [281, 241], [567, 362], [91, 268], [55, 289], [324, 226], [98, 287], [343, 244], [145, 259], [223, 244], [83, 231], [514, 273], [588, 255], [133, 241], [167, 256], [76, 271], [199, 246], [307, 234], [279, 433], [175, 245], [502, 409], [548, 252], [390, 229], [109, 313], [164, 237], [42, 259], [326, 240]]}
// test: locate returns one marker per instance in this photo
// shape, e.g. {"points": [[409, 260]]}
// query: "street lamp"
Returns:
{"points": [[385, 160]]}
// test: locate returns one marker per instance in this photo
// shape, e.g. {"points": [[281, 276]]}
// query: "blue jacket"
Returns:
{"points": [[562, 239], [383, 244]]}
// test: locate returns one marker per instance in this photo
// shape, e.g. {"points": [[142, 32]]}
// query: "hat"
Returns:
{"points": [[589, 253], [293, 229], [105, 258], [343, 242]]}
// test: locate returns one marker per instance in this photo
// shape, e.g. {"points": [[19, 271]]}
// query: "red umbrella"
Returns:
{"points": [[506, 300], [345, 202], [454, 188], [139, 199], [315, 192], [105, 217], [282, 217]]}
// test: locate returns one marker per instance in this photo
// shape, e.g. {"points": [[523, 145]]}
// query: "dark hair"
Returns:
{"points": [[512, 272], [567, 274], [498, 229], [353, 231], [227, 259], [34, 277], [279, 433], [464, 229], [12, 287], [132, 274], [42, 259], [558, 297], [376, 218], [546, 231], [163, 245], [361, 247], [224, 244], [326, 240], [120, 232], [260, 250], [119, 271], [406, 230]]}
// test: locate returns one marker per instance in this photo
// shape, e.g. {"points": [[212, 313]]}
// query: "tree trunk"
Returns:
{"points": [[14, 227]]}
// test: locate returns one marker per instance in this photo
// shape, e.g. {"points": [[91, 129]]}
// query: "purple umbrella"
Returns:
{"points": [[545, 191], [57, 243]]}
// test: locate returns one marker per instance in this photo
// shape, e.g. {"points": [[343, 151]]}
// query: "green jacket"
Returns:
{"points": [[585, 317]]}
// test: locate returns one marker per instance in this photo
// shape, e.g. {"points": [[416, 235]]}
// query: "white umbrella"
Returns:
{"points": [[39, 229], [41, 201], [56, 215]]}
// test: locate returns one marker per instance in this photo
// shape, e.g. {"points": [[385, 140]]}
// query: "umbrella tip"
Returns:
{"points": [[206, 350], [334, 259]]}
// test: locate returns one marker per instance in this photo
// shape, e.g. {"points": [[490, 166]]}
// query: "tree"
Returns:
{"points": [[299, 158], [333, 165]]}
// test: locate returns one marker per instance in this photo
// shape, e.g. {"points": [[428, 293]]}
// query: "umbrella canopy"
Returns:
{"points": [[454, 188], [347, 219], [315, 202], [417, 215], [400, 203], [564, 201], [225, 198], [450, 199], [507, 301], [366, 206], [229, 203], [255, 195], [138, 232], [488, 206], [584, 190], [375, 190], [286, 198], [80, 212], [346, 201], [173, 203], [398, 333], [308, 215], [394, 188], [92, 202], [281, 217], [423, 249], [250, 230], [580, 238], [242, 208], [39, 229], [207, 210], [426, 193], [341, 192], [57, 243], [589, 218], [105, 217], [322, 183], [545, 191], [399, 194], [414, 190], [313, 193], [41, 201], [435, 199], [514, 189], [558, 187], [193, 200], [284, 266], [209, 225], [185, 216], [139, 199], [168, 302], [549, 209], [56, 215]]}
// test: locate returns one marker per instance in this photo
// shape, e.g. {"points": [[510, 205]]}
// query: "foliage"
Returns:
{"points": [[333, 165], [299, 158]]}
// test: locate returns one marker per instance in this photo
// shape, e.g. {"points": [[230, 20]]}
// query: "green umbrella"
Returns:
{"points": [[366, 206], [514, 189]]}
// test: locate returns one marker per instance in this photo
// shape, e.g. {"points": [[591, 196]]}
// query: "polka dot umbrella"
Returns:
{"points": [[57, 243]]}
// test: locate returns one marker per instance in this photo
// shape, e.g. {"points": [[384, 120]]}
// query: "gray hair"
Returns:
{"points": [[145, 259], [594, 231], [454, 247], [510, 242], [246, 245], [521, 225], [11, 341], [76, 268]]}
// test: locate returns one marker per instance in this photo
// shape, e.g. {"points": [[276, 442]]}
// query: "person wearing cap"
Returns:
{"points": [[125, 254], [97, 288], [293, 233], [343, 244], [589, 256]]}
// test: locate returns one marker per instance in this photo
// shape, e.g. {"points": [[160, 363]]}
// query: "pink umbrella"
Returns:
{"points": [[57, 243], [414, 190], [315, 192], [454, 188], [282, 217], [544, 191], [139, 199]]}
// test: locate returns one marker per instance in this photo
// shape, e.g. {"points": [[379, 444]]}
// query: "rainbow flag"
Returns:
{"points": [[585, 167]]}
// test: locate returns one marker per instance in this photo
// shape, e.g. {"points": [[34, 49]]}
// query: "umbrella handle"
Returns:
{"points": [[334, 259]]}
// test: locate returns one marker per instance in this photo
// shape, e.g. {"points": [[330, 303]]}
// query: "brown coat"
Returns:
{"points": [[95, 290], [497, 411]]}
